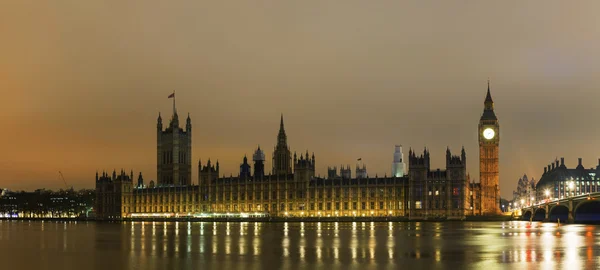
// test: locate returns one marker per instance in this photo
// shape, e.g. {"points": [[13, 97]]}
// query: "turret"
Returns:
{"points": [[188, 124], [245, 169], [259, 163], [140, 182], [159, 123]]}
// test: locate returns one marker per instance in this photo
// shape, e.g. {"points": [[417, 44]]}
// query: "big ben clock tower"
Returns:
{"points": [[489, 140]]}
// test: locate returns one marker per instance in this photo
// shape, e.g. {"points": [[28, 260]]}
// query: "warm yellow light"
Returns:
{"points": [[489, 133]]}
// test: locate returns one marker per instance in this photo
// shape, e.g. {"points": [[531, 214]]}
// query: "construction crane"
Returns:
{"points": [[63, 178]]}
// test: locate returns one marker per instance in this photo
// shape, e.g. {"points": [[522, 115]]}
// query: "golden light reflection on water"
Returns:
{"points": [[519, 244]]}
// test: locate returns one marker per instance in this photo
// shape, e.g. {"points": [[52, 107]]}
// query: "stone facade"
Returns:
{"points": [[291, 189], [113, 195], [174, 152], [438, 193], [525, 192]]}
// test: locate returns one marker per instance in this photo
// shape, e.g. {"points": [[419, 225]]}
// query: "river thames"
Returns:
{"points": [[298, 245]]}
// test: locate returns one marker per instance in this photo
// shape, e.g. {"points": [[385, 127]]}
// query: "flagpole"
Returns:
{"points": [[174, 111]]}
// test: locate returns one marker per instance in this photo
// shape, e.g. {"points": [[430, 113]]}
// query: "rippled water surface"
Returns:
{"points": [[343, 245]]}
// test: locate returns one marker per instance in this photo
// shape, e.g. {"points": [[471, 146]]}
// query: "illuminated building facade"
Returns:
{"points": [[559, 182], [525, 191], [489, 141], [291, 189]]}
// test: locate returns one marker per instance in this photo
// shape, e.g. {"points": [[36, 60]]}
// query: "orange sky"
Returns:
{"points": [[82, 83]]}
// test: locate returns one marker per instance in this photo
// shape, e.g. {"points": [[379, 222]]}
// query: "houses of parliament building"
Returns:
{"points": [[291, 189]]}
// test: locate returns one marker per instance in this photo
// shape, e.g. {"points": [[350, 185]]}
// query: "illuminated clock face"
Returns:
{"points": [[489, 133]]}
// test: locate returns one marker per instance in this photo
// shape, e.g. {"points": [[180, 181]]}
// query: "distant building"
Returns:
{"points": [[44, 203], [398, 165], [525, 192], [561, 182]]}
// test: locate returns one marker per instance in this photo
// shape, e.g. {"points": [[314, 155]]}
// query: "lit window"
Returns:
{"points": [[418, 205]]}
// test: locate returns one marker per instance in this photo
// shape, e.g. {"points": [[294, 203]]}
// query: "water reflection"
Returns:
{"points": [[256, 245]]}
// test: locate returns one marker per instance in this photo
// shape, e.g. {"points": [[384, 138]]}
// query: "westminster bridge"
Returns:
{"points": [[582, 208]]}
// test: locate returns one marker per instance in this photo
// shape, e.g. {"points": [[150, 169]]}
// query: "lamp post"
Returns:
{"points": [[547, 193]]}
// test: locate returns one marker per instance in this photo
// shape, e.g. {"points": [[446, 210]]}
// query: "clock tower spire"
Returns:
{"points": [[489, 141]]}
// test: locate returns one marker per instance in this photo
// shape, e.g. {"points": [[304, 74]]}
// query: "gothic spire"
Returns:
{"points": [[488, 97], [281, 137], [488, 109]]}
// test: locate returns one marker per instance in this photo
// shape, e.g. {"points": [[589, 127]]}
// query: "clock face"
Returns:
{"points": [[488, 133]]}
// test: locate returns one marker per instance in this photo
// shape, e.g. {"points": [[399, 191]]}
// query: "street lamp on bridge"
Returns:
{"points": [[571, 184]]}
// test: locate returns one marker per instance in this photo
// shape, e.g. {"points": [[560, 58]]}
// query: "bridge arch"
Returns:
{"points": [[587, 211], [526, 214], [558, 211], [539, 214]]}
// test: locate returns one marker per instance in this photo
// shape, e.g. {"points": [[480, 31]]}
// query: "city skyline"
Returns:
{"points": [[85, 96]]}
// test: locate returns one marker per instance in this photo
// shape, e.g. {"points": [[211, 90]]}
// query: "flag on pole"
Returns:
{"points": [[172, 95], [359, 159]]}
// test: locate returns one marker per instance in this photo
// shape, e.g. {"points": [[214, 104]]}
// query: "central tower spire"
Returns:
{"points": [[281, 137], [282, 158]]}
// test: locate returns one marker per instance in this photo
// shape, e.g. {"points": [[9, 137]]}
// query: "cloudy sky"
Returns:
{"points": [[83, 81]]}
